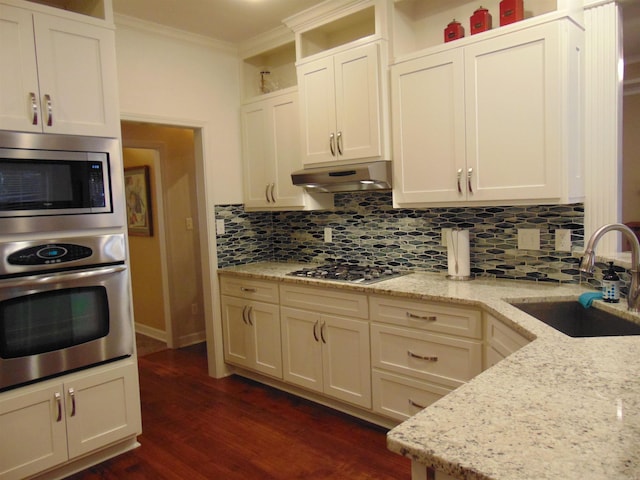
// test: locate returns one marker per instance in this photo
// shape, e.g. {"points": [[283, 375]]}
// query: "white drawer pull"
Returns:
{"points": [[428, 318], [417, 405], [250, 290], [421, 357]]}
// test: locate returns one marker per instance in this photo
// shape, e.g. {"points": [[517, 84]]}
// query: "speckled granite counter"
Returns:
{"points": [[560, 408]]}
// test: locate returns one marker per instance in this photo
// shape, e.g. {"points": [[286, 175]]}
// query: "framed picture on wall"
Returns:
{"points": [[138, 194]]}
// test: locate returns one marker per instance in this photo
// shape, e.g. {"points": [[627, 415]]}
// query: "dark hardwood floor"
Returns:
{"points": [[196, 427]]}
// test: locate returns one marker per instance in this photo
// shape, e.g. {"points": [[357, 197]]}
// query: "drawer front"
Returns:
{"points": [[424, 355], [259, 290], [434, 317], [400, 397], [325, 300], [502, 338]]}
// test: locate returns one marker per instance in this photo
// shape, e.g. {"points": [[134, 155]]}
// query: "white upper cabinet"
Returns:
{"points": [[341, 106], [271, 152], [58, 75], [494, 122]]}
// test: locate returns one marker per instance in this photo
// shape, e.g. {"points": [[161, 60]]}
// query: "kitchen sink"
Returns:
{"points": [[571, 318]]}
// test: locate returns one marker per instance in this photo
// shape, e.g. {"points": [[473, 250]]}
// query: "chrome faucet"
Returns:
{"points": [[587, 264]]}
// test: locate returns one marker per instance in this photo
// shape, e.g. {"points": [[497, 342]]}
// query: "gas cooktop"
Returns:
{"points": [[350, 273]]}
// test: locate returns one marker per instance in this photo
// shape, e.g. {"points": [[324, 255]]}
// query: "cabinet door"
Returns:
{"points": [[358, 97], [19, 101], [317, 110], [428, 129], [256, 151], [301, 348], [346, 361], [266, 347], [102, 408], [513, 115], [236, 331], [77, 74], [33, 436], [287, 154]]}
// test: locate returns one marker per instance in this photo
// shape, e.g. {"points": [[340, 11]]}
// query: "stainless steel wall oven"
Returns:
{"points": [[64, 306]]}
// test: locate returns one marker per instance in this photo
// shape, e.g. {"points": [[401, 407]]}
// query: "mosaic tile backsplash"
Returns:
{"points": [[368, 230]]}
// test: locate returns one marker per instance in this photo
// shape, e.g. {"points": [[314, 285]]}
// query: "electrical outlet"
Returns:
{"points": [[563, 240], [220, 226], [328, 235], [444, 235], [189, 223], [528, 239]]}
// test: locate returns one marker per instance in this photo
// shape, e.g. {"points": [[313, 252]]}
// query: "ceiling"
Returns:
{"points": [[234, 21], [230, 21]]}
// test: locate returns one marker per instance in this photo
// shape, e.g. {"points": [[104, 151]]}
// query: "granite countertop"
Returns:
{"points": [[559, 408]]}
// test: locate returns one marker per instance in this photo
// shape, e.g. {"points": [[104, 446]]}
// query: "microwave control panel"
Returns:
{"points": [[49, 254]]}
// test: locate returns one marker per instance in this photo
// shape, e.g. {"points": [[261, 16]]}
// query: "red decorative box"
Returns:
{"points": [[454, 31], [511, 11], [480, 21]]}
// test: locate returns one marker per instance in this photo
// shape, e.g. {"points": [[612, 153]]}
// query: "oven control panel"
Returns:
{"points": [[49, 254]]}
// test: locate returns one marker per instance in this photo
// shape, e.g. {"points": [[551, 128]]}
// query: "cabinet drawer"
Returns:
{"points": [[424, 355], [435, 317], [250, 289], [502, 338], [401, 397], [325, 300]]}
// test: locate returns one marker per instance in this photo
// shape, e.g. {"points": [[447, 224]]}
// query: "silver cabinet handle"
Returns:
{"points": [[247, 289], [332, 141], [47, 99], [428, 318], [58, 398], [459, 178], [266, 192], [249, 311], [273, 197], [417, 405], [469, 174], [422, 357], [339, 143], [72, 395], [34, 108], [315, 331], [244, 314], [324, 340]]}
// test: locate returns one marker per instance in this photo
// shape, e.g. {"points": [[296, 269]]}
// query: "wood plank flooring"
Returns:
{"points": [[196, 427]]}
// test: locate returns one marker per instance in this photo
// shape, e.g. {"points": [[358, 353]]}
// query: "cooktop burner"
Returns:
{"points": [[351, 273]]}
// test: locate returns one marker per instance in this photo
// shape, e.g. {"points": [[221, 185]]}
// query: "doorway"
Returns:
{"points": [[166, 272]]}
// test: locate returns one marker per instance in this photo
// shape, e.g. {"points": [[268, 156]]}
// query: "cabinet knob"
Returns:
{"points": [[332, 147], [339, 143], [72, 396], [34, 108], [58, 398], [47, 99], [459, 178], [469, 174]]}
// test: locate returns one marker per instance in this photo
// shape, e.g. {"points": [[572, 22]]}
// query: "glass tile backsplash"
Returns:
{"points": [[367, 229]]}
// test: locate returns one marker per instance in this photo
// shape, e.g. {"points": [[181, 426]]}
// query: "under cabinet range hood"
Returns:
{"points": [[345, 178]]}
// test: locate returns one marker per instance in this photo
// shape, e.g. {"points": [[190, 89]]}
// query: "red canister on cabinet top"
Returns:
{"points": [[511, 11], [453, 31], [480, 21]]}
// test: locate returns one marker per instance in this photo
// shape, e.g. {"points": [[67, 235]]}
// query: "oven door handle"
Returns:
{"points": [[45, 279]]}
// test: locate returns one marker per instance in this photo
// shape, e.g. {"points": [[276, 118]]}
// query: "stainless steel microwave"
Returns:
{"points": [[59, 182]]}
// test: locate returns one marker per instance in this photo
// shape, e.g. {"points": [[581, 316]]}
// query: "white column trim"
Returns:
{"points": [[603, 121]]}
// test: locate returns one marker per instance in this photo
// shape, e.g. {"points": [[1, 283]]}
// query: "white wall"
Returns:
{"points": [[165, 76]]}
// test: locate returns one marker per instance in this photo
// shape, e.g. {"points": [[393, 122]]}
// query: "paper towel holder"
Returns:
{"points": [[454, 252]]}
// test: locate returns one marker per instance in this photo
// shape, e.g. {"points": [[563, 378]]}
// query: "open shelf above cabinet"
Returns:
{"points": [[100, 9], [420, 24]]}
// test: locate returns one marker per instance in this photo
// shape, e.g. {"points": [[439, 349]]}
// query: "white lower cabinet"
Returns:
{"points": [[251, 326], [323, 351], [415, 359], [501, 341], [52, 422]]}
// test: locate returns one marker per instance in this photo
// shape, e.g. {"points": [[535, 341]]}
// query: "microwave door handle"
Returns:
{"points": [[45, 279]]}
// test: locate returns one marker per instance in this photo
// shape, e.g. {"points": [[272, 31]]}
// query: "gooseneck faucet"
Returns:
{"points": [[587, 264]]}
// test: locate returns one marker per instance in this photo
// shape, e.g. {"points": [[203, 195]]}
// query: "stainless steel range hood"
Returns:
{"points": [[345, 178]]}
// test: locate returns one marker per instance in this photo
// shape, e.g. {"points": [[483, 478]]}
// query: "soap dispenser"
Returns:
{"points": [[611, 285]]}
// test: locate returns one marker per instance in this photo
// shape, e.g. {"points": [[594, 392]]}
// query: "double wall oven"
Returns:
{"points": [[64, 283]]}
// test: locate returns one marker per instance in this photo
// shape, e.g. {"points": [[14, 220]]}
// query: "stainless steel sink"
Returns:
{"points": [[572, 319]]}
